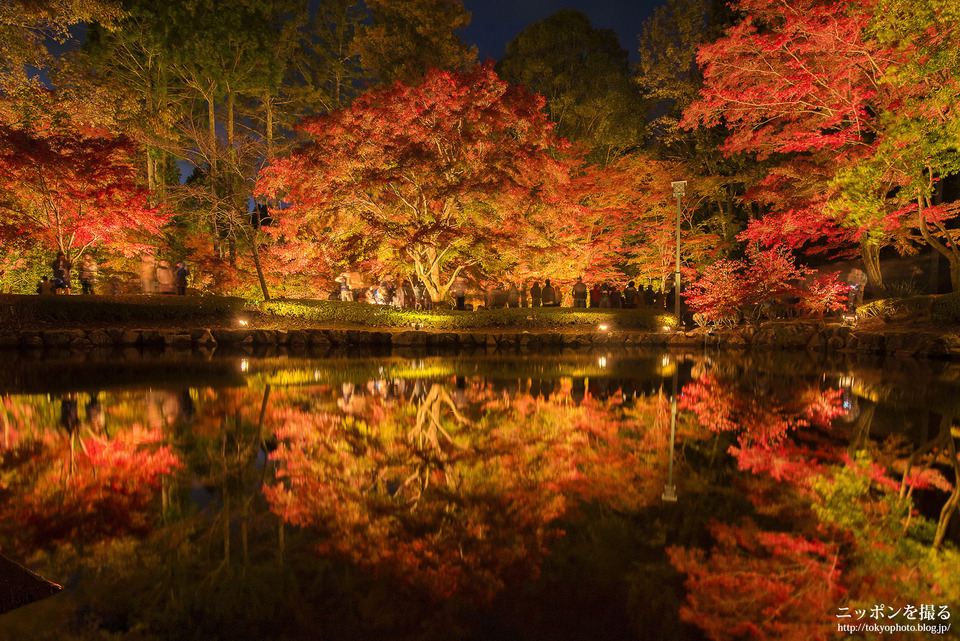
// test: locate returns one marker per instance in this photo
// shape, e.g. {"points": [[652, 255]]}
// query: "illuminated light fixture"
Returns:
{"points": [[244, 365], [243, 323], [602, 361], [666, 328], [602, 328], [669, 493]]}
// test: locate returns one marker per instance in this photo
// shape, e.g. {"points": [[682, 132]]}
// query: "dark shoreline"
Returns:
{"points": [[895, 341]]}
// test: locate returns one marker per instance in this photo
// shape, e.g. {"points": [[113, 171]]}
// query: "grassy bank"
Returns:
{"points": [[327, 312], [24, 311]]}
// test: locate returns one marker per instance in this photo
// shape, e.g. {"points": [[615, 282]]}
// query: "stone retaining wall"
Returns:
{"points": [[835, 338], [772, 336]]}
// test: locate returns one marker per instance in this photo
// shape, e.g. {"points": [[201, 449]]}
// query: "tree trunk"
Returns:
{"points": [[870, 252], [212, 137], [268, 104], [151, 173], [948, 248], [231, 99], [256, 262]]}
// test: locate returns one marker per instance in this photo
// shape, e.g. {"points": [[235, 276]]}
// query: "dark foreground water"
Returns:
{"points": [[483, 497]]}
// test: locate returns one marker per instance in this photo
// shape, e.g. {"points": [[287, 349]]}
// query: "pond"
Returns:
{"points": [[612, 495]]}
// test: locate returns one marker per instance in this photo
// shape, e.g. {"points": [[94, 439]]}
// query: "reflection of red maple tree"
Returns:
{"points": [[760, 585], [764, 418], [103, 489], [843, 514], [440, 501]]}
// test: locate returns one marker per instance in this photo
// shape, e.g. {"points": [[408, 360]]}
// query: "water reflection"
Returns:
{"points": [[499, 485]]}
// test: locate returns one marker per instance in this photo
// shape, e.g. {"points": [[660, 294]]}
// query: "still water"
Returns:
{"points": [[482, 497]]}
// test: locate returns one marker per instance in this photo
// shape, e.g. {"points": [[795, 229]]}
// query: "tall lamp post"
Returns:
{"points": [[678, 187]]}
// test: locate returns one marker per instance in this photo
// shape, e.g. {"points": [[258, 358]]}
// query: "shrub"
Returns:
{"points": [[719, 293], [946, 308], [196, 310], [903, 289], [915, 305]]}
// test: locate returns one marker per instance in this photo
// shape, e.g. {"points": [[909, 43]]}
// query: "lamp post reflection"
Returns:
{"points": [[670, 490], [851, 409]]}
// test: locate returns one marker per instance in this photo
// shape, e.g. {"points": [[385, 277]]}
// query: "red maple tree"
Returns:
{"points": [[805, 79], [766, 282], [457, 170], [67, 183], [625, 212]]}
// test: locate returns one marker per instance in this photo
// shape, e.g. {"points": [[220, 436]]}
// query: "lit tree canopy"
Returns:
{"points": [[451, 172], [836, 86], [68, 184]]}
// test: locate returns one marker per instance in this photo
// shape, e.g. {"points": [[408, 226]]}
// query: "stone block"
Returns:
{"points": [[151, 337], [409, 339], [202, 336], [100, 338], [264, 337], [9, 340], [319, 337], [56, 338]]}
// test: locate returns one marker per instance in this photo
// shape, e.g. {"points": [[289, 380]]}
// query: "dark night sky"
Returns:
{"points": [[495, 22]]}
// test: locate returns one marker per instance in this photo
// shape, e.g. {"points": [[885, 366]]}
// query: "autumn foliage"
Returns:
{"points": [[851, 103], [850, 534], [438, 500], [760, 584], [457, 170], [767, 282], [67, 184], [85, 487]]}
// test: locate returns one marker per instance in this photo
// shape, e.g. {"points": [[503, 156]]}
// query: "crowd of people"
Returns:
{"points": [[158, 277], [396, 292], [406, 293], [603, 295], [60, 281], [155, 277]]}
